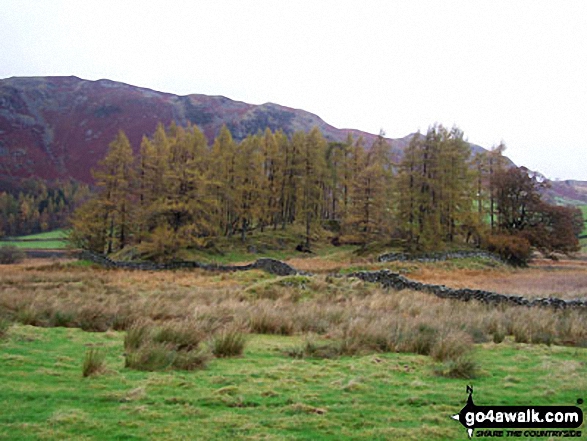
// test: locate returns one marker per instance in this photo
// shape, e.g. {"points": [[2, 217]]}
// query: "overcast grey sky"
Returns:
{"points": [[501, 70]]}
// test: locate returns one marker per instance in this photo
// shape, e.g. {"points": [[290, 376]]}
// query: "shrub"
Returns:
{"points": [[93, 362], [513, 249], [228, 343], [10, 254]]}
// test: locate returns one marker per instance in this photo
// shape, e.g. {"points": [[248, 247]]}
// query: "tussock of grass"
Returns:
{"points": [[63, 318], [183, 336], [265, 318], [464, 367], [94, 363], [171, 345], [228, 343], [150, 357], [137, 335], [191, 360], [312, 349], [451, 346]]}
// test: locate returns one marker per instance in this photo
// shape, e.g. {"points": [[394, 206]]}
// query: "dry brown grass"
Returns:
{"points": [[356, 316], [567, 280]]}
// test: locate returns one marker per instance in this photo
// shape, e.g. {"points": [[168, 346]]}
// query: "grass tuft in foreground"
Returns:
{"points": [[94, 362], [174, 345], [228, 342]]}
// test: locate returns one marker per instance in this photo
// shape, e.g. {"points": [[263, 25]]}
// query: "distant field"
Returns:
{"points": [[55, 234], [54, 240]]}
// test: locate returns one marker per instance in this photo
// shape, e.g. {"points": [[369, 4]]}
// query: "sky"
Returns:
{"points": [[502, 71]]}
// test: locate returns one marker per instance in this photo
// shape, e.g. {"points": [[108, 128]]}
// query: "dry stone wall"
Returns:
{"points": [[396, 281], [435, 257], [272, 266]]}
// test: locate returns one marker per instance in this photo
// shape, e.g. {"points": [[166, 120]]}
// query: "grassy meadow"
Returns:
{"points": [[91, 353], [50, 240]]}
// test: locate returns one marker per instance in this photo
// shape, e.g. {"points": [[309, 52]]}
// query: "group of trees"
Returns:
{"points": [[523, 214], [178, 191], [39, 206]]}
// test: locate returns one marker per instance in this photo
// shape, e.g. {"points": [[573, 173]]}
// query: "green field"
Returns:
{"points": [[55, 240], [327, 358], [263, 395]]}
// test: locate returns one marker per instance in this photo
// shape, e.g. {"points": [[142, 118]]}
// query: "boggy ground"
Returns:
{"points": [[325, 357]]}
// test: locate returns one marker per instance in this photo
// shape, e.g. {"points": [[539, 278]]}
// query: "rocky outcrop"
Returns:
{"points": [[396, 281]]}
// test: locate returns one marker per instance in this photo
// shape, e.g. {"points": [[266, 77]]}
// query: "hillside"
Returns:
{"points": [[59, 127], [567, 192]]}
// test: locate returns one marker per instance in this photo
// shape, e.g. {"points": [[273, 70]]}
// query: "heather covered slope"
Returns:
{"points": [[59, 127], [568, 192]]}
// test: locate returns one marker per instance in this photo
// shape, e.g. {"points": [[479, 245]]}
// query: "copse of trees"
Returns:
{"points": [[521, 212], [39, 206], [179, 192]]}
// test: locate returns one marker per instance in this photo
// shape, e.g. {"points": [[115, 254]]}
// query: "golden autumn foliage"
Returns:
{"points": [[178, 192]]}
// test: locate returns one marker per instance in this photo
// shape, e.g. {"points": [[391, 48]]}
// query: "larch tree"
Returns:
{"points": [[115, 176], [249, 182], [273, 156], [369, 215], [312, 176], [435, 188], [224, 154]]}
